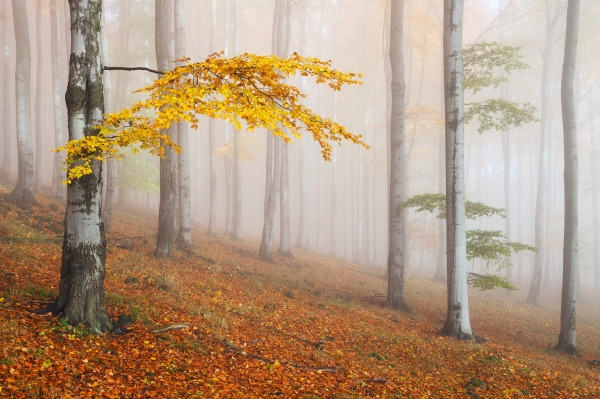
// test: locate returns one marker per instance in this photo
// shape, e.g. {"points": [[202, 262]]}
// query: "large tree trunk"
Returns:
{"points": [[38, 97], [58, 189], [81, 294], [168, 185], [567, 338], [440, 268], [266, 244], [109, 196], [6, 139], [542, 187], [184, 236], [594, 167], [212, 126], [458, 324], [23, 192], [396, 259]]}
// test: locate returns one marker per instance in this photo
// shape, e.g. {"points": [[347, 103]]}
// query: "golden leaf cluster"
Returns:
{"points": [[247, 88]]}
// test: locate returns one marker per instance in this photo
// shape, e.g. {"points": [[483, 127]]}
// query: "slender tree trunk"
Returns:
{"points": [[166, 208], [266, 244], [58, 189], [302, 178], [212, 127], [542, 189], [594, 167], [396, 258], [236, 234], [109, 197], [23, 192], [567, 338], [184, 236], [6, 140], [440, 269], [38, 98], [458, 324], [81, 294], [334, 222], [507, 208]]}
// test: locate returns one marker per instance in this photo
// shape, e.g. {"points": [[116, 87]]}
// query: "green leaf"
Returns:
{"points": [[500, 114], [488, 282], [432, 202]]}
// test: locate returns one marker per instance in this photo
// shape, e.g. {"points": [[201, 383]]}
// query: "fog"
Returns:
{"points": [[347, 198]]}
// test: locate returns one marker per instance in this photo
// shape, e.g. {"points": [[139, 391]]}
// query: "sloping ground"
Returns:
{"points": [[305, 328]]}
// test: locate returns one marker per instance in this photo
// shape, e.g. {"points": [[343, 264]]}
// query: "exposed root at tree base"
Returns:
{"points": [[23, 198]]}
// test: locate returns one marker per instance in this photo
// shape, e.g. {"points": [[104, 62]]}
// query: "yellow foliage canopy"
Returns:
{"points": [[249, 88]]}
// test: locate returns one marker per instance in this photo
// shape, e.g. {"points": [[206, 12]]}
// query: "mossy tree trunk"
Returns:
{"points": [[81, 293]]}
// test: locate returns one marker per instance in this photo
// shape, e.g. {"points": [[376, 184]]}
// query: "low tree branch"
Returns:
{"points": [[109, 68]]}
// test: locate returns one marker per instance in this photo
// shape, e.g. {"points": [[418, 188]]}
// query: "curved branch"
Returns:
{"points": [[109, 68]]}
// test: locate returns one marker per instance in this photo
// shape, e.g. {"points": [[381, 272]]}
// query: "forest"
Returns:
{"points": [[300, 198]]}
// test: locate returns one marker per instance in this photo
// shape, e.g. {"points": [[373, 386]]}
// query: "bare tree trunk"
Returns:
{"points": [[303, 206], [334, 222], [396, 258], [184, 236], [267, 235], [542, 189], [212, 126], [58, 189], [458, 324], [166, 208], [38, 98], [594, 167], [567, 338], [109, 197], [236, 234], [6, 140], [23, 192], [507, 208], [81, 294]]}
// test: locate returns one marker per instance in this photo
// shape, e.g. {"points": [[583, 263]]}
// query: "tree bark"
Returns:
{"points": [[81, 293], [567, 338], [236, 234], [267, 235], [542, 188], [109, 196], [212, 125], [38, 98], [184, 236], [166, 208], [58, 189], [458, 323], [302, 180], [396, 259], [6, 139], [23, 192], [594, 167]]}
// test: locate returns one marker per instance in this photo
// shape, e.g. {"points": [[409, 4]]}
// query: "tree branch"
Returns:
{"points": [[109, 68]]}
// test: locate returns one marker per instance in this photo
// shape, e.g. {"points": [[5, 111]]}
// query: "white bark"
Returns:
{"points": [[594, 167], [58, 189], [184, 237], [542, 187], [38, 97], [109, 197], [6, 139], [168, 186], [23, 192], [396, 260], [303, 208], [212, 125], [567, 337], [458, 324], [334, 247], [237, 161]]}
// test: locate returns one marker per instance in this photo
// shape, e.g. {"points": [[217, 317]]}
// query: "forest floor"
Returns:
{"points": [[310, 327]]}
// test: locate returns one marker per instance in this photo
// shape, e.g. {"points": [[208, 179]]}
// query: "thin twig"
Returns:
{"points": [[109, 68]]}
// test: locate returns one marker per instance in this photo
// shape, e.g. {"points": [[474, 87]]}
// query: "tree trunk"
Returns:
{"points": [[542, 188], [38, 98], [109, 197], [396, 259], [23, 192], [58, 189], [302, 178], [166, 208], [6, 140], [212, 126], [81, 293], [441, 269], [237, 160], [567, 338], [458, 324], [594, 167], [267, 234], [334, 222], [184, 236], [508, 219]]}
